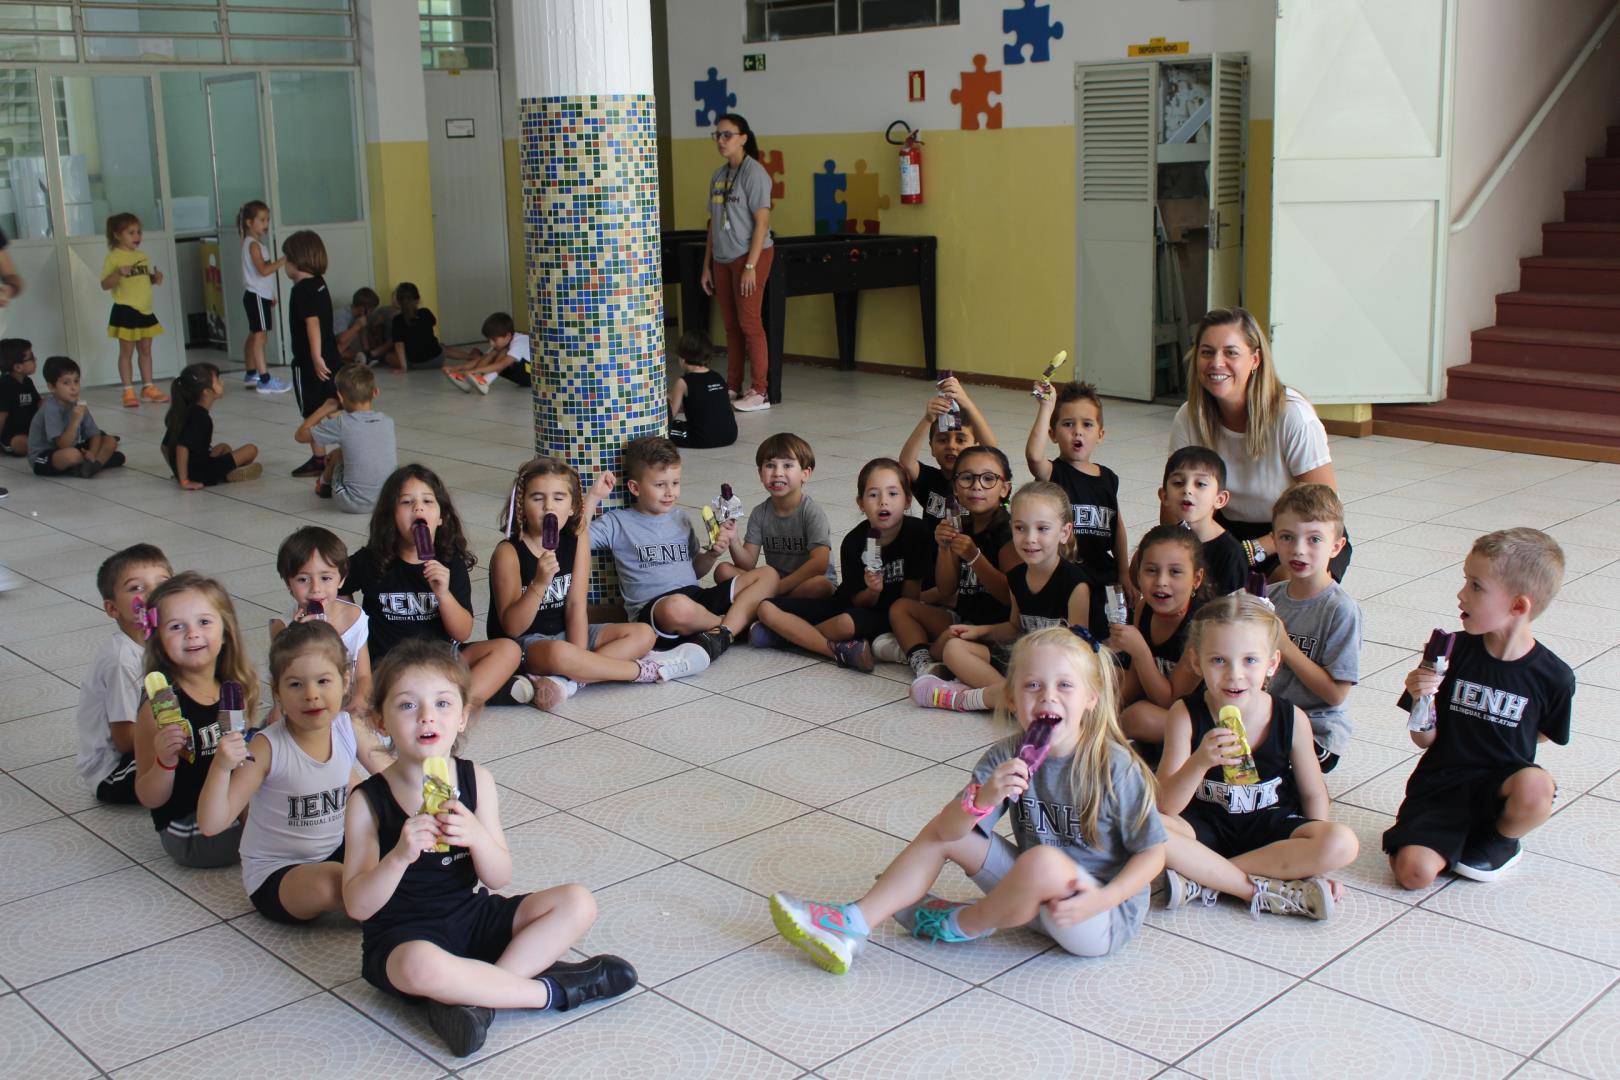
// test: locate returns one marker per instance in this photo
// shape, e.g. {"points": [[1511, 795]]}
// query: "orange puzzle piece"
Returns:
{"points": [[974, 96], [777, 168]]}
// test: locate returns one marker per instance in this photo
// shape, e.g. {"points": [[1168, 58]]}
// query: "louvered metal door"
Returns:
{"points": [[1228, 151], [1116, 128]]}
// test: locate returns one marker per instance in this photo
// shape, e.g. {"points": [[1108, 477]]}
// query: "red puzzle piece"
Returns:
{"points": [[974, 96], [777, 168]]}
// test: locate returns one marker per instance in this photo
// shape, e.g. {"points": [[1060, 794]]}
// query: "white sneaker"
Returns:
{"points": [[1181, 891], [886, 647], [482, 381], [681, 661], [806, 924], [522, 690], [753, 402], [459, 380], [1310, 897]]}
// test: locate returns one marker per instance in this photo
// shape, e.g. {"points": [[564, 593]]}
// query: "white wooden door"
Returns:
{"points": [[469, 200], [1228, 153], [1117, 135], [1360, 201]]}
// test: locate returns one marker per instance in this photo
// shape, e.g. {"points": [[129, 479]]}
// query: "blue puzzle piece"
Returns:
{"points": [[831, 215], [1034, 27], [716, 102]]}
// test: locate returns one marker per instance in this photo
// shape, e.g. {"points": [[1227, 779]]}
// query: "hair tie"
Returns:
{"points": [[1085, 635], [512, 529]]}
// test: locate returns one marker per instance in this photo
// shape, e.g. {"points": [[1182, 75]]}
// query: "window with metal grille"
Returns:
{"points": [[178, 31], [778, 20], [457, 35]]}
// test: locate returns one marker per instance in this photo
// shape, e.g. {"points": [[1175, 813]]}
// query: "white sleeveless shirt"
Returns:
{"points": [[296, 816], [254, 282]]}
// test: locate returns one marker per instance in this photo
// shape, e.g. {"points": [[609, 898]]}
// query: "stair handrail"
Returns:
{"points": [[1511, 158]]}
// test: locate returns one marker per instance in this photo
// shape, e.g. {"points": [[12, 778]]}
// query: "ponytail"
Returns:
{"points": [[185, 393], [249, 211]]}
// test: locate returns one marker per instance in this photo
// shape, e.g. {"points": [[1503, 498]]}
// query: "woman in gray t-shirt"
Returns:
{"points": [[737, 256]]}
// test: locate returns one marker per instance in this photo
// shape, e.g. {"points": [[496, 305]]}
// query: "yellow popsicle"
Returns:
{"points": [[438, 788]]}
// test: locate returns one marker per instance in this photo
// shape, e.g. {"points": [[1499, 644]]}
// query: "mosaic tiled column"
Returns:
{"points": [[589, 166]]}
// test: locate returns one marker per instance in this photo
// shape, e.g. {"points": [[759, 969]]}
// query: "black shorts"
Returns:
{"points": [[267, 897], [1231, 835], [311, 391], [714, 598], [1444, 812], [480, 929], [212, 469], [1248, 530], [515, 372], [260, 313], [869, 621], [118, 786], [42, 460]]}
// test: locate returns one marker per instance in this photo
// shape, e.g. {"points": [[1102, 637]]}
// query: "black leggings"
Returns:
{"points": [[1248, 530]]}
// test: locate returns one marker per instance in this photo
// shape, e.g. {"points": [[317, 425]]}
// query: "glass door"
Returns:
{"points": [[236, 136]]}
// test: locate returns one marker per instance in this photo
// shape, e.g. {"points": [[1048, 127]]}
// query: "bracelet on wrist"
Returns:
{"points": [[970, 806], [168, 768]]}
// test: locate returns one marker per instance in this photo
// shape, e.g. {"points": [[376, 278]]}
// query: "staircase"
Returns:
{"points": [[1546, 378]]}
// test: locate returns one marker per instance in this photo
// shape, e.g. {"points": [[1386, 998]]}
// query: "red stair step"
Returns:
{"points": [[1544, 349], [1592, 206], [1509, 421], [1603, 173], [1593, 239], [1559, 311], [1568, 273], [1535, 388]]}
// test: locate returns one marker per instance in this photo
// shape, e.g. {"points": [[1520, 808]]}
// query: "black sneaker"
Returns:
{"points": [[1326, 758], [714, 642], [116, 461], [313, 467], [599, 977], [462, 1027], [4, 492], [1487, 859]]}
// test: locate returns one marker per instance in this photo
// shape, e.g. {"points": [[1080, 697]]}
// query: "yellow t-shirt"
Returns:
{"points": [[136, 289]]}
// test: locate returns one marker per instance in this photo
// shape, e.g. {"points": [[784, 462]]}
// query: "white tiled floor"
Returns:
{"points": [[684, 805]]}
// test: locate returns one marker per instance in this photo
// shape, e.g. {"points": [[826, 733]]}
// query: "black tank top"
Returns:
{"points": [[1276, 790], [435, 884], [1050, 606], [548, 617], [974, 603], [189, 775], [1167, 653]]}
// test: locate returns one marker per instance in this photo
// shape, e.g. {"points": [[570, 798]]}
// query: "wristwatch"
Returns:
{"points": [[748, 266]]}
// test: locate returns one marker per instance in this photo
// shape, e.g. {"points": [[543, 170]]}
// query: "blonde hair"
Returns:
{"points": [[232, 664], [1311, 502], [1091, 775], [1529, 562], [1239, 607], [1266, 394], [1056, 500]]}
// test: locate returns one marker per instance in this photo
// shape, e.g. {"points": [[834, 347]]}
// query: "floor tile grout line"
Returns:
{"points": [[1612, 988], [48, 1022], [1561, 949], [219, 1031]]}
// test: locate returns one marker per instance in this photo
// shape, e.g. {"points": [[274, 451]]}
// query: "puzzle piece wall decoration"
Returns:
{"points": [[974, 96], [711, 92], [861, 200], [1034, 28], [778, 169], [830, 210]]}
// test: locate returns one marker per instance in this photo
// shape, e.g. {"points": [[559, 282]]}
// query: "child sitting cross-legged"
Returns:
{"points": [[950, 423], [1251, 825], [63, 438], [537, 594], [882, 560], [653, 547], [1169, 572], [1087, 841], [314, 564], [788, 530], [1046, 589], [416, 874], [970, 573], [358, 441], [1477, 790], [188, 440]]}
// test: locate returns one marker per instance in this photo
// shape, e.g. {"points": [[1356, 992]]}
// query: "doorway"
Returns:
{"points": [[468, 171]]}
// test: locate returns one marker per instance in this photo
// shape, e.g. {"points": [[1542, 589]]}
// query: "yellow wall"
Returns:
{"points": [[1002, 205], [401, 192]]}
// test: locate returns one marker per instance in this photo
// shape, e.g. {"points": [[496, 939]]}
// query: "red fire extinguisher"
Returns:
{"points": [[911, 166]]}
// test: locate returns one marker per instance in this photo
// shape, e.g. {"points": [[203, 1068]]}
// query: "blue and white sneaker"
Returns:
{"points": [[250, 378], [818, 929], [273, 385]]}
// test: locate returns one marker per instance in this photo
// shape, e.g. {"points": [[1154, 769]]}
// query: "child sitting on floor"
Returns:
{"points": [[788, 530], [700, 413]]}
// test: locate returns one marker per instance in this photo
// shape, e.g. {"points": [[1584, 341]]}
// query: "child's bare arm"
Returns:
{"points": [[915, 442], [972, 416], [329, 407], [677, 396], [1313, 676], [1313, 792], [1035, 446], [744, 556], [815, 566]]}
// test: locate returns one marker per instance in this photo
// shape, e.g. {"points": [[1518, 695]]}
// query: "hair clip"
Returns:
{"points": [[149, 620], [1086, 636]]}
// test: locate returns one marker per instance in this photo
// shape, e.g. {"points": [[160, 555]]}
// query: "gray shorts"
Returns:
{"points": [[347, 498], [592, 633], [1094, 937], [187, 846]]}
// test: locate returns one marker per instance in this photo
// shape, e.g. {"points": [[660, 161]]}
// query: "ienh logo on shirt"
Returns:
{"points": [[1488, 703]]}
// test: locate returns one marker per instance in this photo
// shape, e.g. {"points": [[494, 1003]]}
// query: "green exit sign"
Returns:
{"points": [[754, 62]]}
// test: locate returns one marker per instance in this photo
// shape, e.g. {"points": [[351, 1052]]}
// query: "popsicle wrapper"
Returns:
{"points": [[166, 710], [711, 525], [1244, 772], [437, 789]]}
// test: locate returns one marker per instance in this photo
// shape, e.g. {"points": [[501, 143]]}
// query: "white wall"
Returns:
{"points": [[1510, 54], [857, 82], [391, 71]]}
